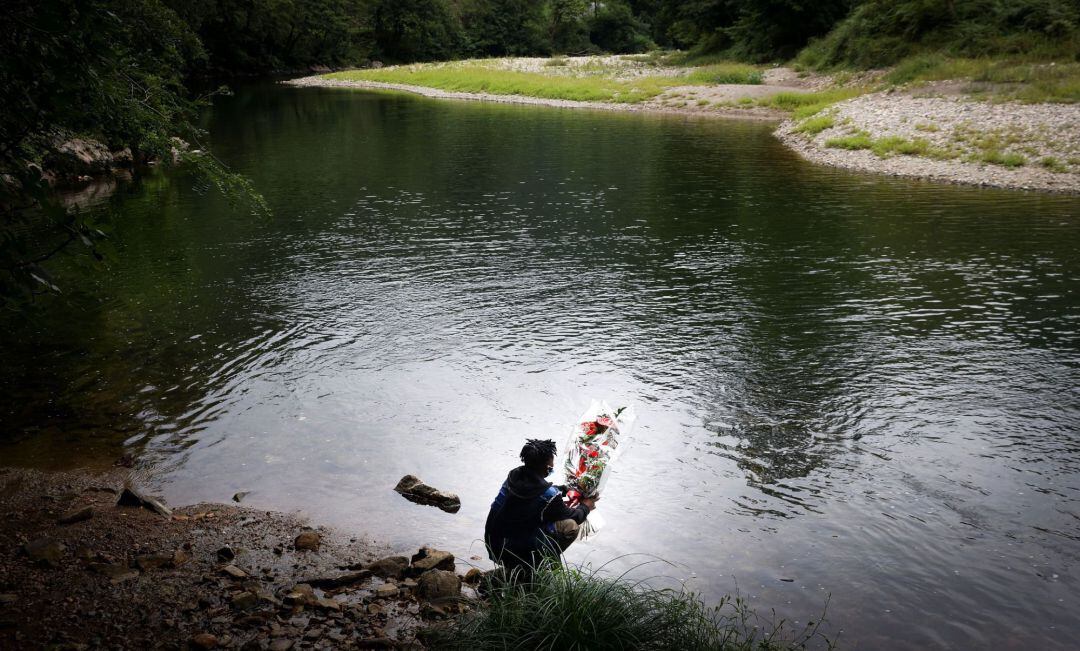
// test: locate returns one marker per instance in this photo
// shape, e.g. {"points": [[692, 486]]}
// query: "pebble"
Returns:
{"points": [[245, 600], [44, 551], [308, 541], [77, 515]]}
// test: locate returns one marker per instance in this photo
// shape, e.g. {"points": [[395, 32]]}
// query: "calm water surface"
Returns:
{"points": [[847, 384]]}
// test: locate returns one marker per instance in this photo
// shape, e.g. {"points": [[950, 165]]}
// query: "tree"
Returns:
{"points": [[777, 29], [504, 27], [614, 28], [416, 30], [567, 31], [243, 36], [112, 70]]}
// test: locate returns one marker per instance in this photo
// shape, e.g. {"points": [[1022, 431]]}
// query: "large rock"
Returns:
{"points": [[245, 600], [438, 584], [416, 491], [76, 515], [131, 496], [473, 576], [391, 567], [80, 156], [386, 591], [149, 562], [308, 541], [301, 594], [431, 559], [117, 572], [339, 581], [44, 551]]}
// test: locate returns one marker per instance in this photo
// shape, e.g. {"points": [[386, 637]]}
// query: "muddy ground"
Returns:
{"points": [[78, 571]]}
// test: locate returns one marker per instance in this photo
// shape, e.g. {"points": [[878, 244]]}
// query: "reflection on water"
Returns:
{"points": [[847, 384]]}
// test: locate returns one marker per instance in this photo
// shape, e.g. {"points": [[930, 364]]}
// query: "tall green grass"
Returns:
{"points": [[880, 33], [568, 608], [1001, 78], [726, 73], [804, 105], [475, 79]]}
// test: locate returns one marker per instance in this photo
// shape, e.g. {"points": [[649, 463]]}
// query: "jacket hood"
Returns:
{"points": [[525, 484]]}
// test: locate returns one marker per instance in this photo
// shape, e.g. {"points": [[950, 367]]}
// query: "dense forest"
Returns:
{"points": [[260, 35], [124, 71]]}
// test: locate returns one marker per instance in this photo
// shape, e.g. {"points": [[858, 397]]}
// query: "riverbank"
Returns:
{"points": [[945, 131], [79, 571], [942, 137], [683, 107], [89, 561]]}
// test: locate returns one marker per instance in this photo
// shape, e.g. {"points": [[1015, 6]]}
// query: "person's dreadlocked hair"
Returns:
{"points": [[536, 452]]}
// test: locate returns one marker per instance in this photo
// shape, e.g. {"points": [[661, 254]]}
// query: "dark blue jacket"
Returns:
{"points": [[522, 517]]}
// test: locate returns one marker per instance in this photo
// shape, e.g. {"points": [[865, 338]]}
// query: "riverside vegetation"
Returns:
{"points": [[134, 573], [133, 75], [995, 121], [132, 78]]}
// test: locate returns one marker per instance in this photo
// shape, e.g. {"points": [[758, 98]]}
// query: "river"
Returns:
{"points": [[849, 387]]}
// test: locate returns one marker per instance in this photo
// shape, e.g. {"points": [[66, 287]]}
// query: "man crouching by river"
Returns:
{"points": [[528, 521]]}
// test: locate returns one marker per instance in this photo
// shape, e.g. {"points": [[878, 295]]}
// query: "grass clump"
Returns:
{"points": [[997, 157], [556, 61], [479, 79], [814, 125], [851, 143], [726, 73], [804, 105], [568, 608], [891, 145], [1053, 164]]}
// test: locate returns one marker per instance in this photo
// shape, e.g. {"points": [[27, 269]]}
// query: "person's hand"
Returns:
{"points": [[590, 502]]}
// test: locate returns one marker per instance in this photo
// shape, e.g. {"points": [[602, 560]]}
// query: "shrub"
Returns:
{"points": [[885, 32]]}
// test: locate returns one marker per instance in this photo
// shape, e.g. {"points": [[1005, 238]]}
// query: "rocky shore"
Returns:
{"points": [[946, 138], [87, 564], [933, 133]]}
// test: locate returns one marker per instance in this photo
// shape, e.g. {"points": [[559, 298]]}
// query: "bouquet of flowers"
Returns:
{"points": [[595, 442]]}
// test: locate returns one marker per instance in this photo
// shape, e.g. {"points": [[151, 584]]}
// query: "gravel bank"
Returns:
{"points": [[752, 113], [1028, 146], [1035, 146], [78, 571]]}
